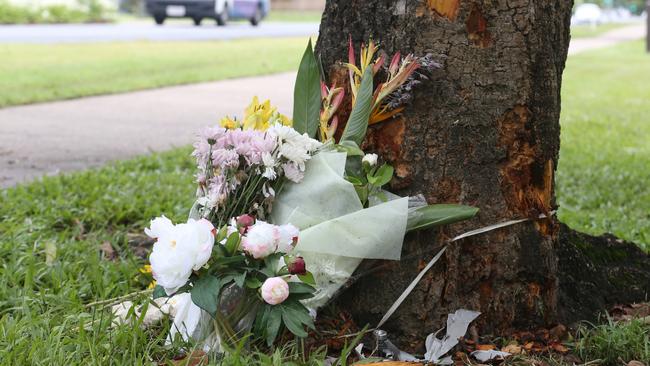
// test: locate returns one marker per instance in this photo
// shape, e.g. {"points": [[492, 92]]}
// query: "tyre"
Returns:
{"points": [[159, 19], [197, 21], [257, 17], [222, 19]]}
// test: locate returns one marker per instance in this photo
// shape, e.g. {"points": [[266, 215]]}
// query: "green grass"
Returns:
{"points": [[603, 181], [603, 178], [614, 342], [294, 16], [38, 73], [587, 30]]}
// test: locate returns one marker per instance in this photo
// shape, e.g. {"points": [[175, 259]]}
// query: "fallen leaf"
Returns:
{"points": [[528, 346], [50, 252], [635, 363], [559, 348], [559, 332], [196, 358], [513, 348], [107, 250], [485, 347]]}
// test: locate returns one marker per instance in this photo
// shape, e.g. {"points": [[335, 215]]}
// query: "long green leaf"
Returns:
{"points": [[355, 129], [307, 94], [436, 215], [205, 293]]}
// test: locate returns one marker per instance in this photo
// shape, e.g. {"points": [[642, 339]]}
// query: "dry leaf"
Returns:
{"points": [[635, 363], [485, 347], [559, 332], [196, 358], [50, 252], [513, 348], [107, 250], [559, 348]]}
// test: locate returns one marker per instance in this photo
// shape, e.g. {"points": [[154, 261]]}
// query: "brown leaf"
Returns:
{"points": [[512, 348], [635, 363], [107, 250], [196, 358], [485, 347], [558, 332], [559, 348]]}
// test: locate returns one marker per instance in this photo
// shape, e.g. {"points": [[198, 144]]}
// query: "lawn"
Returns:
{"points": [[51, 230], [603, 179], [587, 30], [39, 73]]}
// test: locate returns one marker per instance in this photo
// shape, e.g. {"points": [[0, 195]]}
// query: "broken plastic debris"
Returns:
{"points": [[485, 356], [457, 324]]}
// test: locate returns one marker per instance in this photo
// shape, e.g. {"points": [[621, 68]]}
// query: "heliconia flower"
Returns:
{"points": [[297, 266], [275, 290]]}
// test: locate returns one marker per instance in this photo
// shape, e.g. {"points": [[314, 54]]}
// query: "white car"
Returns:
{"points": [[220, 10], [587, 13]]}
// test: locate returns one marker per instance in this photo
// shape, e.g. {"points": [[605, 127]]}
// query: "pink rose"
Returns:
{"points": [[275, 290]]}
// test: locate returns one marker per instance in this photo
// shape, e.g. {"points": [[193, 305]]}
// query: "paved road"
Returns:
{"points": [[628, 33], [70, 135], [63, 136], [68, 33]]}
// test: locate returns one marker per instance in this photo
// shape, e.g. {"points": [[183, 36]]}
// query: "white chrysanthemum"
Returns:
{"points": [[371, 159], [292, 172], [269, 166]]}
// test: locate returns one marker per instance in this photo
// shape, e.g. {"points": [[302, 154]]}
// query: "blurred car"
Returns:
{"points": [[587, 13], [220, 10]]}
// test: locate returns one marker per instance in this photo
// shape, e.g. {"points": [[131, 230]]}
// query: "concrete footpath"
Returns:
{"points": [[50, 138], [56, 137]]}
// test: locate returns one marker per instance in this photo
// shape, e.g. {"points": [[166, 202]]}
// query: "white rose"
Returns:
{"points": [[371, 159], [178, 250], [261, 240], [288, 238]]}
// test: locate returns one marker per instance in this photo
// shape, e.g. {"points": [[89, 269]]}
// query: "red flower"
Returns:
{"points": [[297, 266]]}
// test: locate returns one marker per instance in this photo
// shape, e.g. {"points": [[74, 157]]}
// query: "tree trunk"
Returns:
{"points": [[483, 131]]}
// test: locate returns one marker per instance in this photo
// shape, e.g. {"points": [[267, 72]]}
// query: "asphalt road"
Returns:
{"points": [[174, 31]]}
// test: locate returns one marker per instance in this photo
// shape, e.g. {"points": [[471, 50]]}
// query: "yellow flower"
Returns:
{"points": [[229, 123], [145, 269], [260, 116]]}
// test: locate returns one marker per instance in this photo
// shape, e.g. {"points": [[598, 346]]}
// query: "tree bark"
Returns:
{"points": [[483, 131]]}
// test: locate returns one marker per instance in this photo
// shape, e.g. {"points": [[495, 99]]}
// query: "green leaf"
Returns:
{"points": [[308, 278], [437, 215], [383, 175], [307, 94], [299, 312], [293, 324], [273, 324], [232, 243], [159, 291], [261, 320], [205, 293], [350, 147], [355, 129], [252, 282], [300, 288], [229, 260]]}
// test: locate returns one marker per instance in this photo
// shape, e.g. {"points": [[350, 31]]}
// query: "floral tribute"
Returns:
{"points": [[286, 210]]}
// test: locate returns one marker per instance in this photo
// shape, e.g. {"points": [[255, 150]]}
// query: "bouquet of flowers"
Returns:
{"points": [[277, 197]]}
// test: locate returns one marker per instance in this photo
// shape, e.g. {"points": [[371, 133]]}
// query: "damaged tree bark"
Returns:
{"points": [[483, 131]]}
